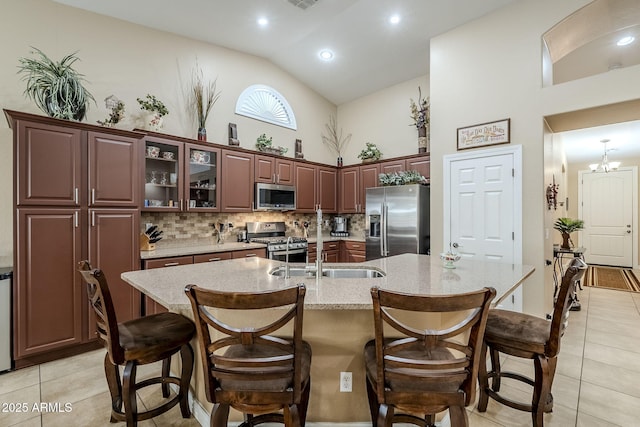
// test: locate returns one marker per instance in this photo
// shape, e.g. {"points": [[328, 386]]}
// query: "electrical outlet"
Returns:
{"points": [[346, 382]]}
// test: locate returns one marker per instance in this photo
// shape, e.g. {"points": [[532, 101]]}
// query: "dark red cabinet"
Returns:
{"points": [[77, 197]]}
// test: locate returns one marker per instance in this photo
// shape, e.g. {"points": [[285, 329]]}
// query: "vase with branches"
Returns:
{"points": [[334, 139], [420, 113], [56, 87], [203, 98]]}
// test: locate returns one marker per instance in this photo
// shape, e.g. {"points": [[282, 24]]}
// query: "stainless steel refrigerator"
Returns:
{"points": [[397, 220]]}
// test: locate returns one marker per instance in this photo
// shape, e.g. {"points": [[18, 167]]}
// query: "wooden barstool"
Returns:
{"points": [[247, 368], [139, 342], [529, 337], [422, 371]]}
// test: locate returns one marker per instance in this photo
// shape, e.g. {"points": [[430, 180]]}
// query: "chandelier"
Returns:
{"points": [[606, 165]]}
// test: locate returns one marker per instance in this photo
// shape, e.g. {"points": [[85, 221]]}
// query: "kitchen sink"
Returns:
{"points": [[331, 272]]}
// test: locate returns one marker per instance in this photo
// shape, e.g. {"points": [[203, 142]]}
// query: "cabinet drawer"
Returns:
{"points": [[247, 253], [353, 245], [212, 257], [331, 246], [168, 262]]}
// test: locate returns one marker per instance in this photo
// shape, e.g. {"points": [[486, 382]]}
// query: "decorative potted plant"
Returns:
{"points": [[370, 153], [265, 144], [56, 87], [401, 178], [203, 97], [117, 111], [333, 140], [156, 110], [566, 226], [421, 120]]}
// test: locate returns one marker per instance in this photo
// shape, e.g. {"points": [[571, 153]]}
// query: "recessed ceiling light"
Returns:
{"points": [[263, 22], [625, 41], [326, 55], [394, 19]]}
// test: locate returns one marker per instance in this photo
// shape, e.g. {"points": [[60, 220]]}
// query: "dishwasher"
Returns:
{"points": [[6, 275]]}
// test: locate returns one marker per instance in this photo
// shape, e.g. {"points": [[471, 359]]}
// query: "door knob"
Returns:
{"points": [[455, 245]]}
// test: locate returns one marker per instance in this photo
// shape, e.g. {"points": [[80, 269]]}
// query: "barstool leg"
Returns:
{"points": [[186, 353], [219, 415], [495, 368], [541, 390], [129, 393], [115, 386], [483, 380], [166, 373], [304, 403]]}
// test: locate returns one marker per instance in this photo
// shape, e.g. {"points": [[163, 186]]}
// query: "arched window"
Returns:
{"points": [[264, 103], [602, 36]]}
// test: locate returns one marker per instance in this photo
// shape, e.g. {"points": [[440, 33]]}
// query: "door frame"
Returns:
{"points": [[634, 206], [516, 152]]}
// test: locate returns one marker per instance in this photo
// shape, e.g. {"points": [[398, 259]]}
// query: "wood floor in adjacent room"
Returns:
{"points": [[596, 382]]}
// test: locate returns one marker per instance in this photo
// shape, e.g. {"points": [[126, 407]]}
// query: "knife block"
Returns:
{"points": [[144, 243]]}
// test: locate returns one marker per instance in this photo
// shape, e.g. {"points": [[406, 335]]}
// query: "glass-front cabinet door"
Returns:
{"points": [[162, 188], [202, 175]]}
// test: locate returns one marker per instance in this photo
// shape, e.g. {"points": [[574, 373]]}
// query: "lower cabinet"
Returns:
{"points": [[152, 307], [330, 251], [52, 316], [352, 251]]}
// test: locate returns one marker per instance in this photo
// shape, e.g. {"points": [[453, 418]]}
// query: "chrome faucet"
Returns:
{"points": [[287, 271], [319, 245]]}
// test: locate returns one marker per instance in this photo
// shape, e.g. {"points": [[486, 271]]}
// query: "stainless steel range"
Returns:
{"points": [[273, 235]]}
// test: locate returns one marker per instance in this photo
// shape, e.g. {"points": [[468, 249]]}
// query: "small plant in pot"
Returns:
{"points": [[156, 110], [566, 226], [370, 153], [56, 87], [265, 144]]}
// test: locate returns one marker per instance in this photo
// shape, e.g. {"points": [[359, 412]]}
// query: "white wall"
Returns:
{"points": [[384, 118], [130, 61], [491, 69]]}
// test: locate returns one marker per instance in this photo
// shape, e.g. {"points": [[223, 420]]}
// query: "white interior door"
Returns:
{"points": [[607, 211], [483, 208], [482, 224]]}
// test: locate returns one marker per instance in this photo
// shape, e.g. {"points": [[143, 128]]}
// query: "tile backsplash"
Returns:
{"points": [[191, 227]]}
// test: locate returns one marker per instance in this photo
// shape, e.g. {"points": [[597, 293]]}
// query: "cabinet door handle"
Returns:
{"points": [[278, 179], [186, 204], [355, 246], [273, 179], [93, 196], [180, 204], [76, 196], [250, 255], [171, 264], [93, 218], [214, 259], [75, 219]]}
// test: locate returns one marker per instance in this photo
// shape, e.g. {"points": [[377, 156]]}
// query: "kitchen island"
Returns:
{"points": [[338, 320]]}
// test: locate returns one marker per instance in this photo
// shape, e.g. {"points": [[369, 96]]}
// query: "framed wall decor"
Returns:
{"points": [[484, 134]]}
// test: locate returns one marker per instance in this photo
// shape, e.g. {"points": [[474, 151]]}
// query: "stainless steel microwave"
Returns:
{"points": [[275, 197]]}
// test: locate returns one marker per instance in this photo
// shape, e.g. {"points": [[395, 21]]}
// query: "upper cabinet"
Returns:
{"points": [[113, 170], [48, 169], [180, 176], [316, 188], [51, 159], [237, 177], [273, 170]]}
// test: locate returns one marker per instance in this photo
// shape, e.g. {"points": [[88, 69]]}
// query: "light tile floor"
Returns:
{"points": [[596, 382]]}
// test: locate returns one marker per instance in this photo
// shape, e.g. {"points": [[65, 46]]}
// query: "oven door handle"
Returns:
{"points": [[291, 252]]}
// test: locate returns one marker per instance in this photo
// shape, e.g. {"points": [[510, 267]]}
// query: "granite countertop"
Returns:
{"points": [[171, 251], [410, 273], [203, 248]]}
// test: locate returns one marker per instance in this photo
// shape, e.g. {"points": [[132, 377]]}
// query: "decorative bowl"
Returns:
{"points": [[449, 258]]}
